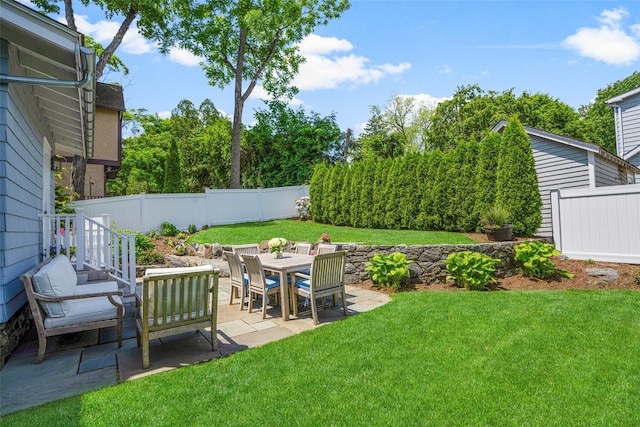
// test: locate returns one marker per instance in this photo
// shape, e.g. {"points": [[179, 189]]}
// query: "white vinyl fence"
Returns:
{"points": [[602, 223], [145, 212]]}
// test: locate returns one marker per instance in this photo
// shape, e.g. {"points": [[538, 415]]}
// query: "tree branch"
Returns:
{"points": [[117, 39]]}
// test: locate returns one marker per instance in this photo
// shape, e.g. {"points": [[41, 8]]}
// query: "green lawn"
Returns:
{"points": [[546, 358], [299, 231]]}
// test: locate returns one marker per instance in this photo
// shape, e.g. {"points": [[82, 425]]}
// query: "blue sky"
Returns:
{"points": [[423, 48]]}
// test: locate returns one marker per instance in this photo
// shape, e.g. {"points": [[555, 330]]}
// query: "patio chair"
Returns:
{"points": [[259, 284], [325, 248], [303, 248], [252, 248], [239, 279], [176, 300], [327, 278], [61, 303]]}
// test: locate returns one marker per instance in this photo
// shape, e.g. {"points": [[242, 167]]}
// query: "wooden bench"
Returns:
{"points": [[176, 300], [63, 302]]}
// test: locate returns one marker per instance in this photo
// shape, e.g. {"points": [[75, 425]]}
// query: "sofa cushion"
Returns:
{"points": [[85, 311], [97, 287], [55, 279]]}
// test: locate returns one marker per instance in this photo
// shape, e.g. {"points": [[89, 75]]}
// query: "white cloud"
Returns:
{"points": [[328, 65], [103, 32], [444, 69], [164, 114], [184, 57], [426, 100], [609, 43], [260, 92]]}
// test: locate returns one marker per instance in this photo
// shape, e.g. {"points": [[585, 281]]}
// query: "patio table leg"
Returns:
{"points": [[284, 291]]}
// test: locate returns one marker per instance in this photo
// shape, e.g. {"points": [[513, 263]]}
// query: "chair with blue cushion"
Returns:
{"points": [[259, 284], [325, 248], [327, 278], [239, 279], [303, 248], [252, 248]]}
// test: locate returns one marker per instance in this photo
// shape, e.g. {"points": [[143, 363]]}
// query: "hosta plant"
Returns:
{"points": [[471, 270], [387, 271], [535, 259]]}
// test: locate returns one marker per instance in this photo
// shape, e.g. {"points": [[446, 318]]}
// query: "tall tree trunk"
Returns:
{"points": [[237, 115], [117, 39], [68, 14], [78, 170]]}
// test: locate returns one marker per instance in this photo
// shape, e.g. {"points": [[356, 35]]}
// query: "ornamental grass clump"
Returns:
{"points": [[494, 218], [387, 271], [471, 270], [535, 260]]}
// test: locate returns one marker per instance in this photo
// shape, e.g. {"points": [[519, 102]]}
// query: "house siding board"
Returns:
{"points": [[21, 197], [606, 173], [630, 118], [557, 166]]}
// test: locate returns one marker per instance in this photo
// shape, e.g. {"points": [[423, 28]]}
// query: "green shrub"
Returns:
{"points": [[192, 229], [534, 259], [471, 270], [388, 270], [149, 257], [168, 229]]}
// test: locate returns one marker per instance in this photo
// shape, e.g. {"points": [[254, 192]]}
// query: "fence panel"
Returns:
{"points": [[602, 224], [145, 212]]}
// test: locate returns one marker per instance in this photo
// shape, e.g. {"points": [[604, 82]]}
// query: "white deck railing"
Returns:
{"points": [[92, 244]]}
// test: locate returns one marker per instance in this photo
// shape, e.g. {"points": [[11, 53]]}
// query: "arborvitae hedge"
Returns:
{"points": [[517, 182], [435, 190], [486, 170]]}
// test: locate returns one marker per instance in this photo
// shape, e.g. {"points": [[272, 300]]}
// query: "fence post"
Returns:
{"points": [[556, 223], [80, 239]]}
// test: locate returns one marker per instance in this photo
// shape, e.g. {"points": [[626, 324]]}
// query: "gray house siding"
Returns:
{"points": [[630, 123], [608, 173], [21, 181], [557, 166]]}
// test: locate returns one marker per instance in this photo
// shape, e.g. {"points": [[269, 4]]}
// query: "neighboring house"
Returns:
{"points": [[563, 162], [107, 151], [47, 103], [626, 110]]}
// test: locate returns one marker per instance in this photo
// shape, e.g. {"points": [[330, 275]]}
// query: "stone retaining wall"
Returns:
{"points": [[429, 260]]}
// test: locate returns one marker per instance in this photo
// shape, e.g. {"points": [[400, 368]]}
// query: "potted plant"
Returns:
{"points": [[495, 223]]}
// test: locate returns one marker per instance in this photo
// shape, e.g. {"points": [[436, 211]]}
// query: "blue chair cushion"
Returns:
{"points": [[303, 283], [272, 282]]}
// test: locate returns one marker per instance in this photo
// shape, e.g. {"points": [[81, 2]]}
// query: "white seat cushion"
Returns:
{"points": [[97, 287], [55, 279], [84, 311]]}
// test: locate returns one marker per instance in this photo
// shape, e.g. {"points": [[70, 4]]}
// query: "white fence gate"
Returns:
{"points": [[145, 212], [602, 223]]}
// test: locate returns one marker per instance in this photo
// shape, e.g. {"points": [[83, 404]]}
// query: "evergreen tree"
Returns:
{"points": [[332, 193], [379, 199], [355, 213], [465, 187], [392, 194], [366, 193], [316, 193], [407, 201], [344, 197], [173, 171], [485, 182], [517, 181]]}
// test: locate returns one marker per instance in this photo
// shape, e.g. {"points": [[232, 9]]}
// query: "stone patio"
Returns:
{"points": [[84, 361]]}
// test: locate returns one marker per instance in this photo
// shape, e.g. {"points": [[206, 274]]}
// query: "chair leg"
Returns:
{"points": [[264, 305], [344, 303], [233, 289], [314, 312], [250, 301], [242, 296], [120, 320], [42, 348], [145, 349]]}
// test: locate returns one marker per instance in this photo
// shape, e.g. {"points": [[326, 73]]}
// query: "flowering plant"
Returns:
{"points": [[277, 244], [494, 218], [324, 238], [303, 204]]}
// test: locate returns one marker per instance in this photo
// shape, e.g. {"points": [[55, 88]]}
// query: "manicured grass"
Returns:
{"points": [[299, 231], [565, 358]]}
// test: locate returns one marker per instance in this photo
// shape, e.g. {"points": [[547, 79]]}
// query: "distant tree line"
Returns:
{"points": [[191, 150]]}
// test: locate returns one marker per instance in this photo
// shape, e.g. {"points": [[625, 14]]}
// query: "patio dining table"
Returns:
{"points": [[289, 263]]}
